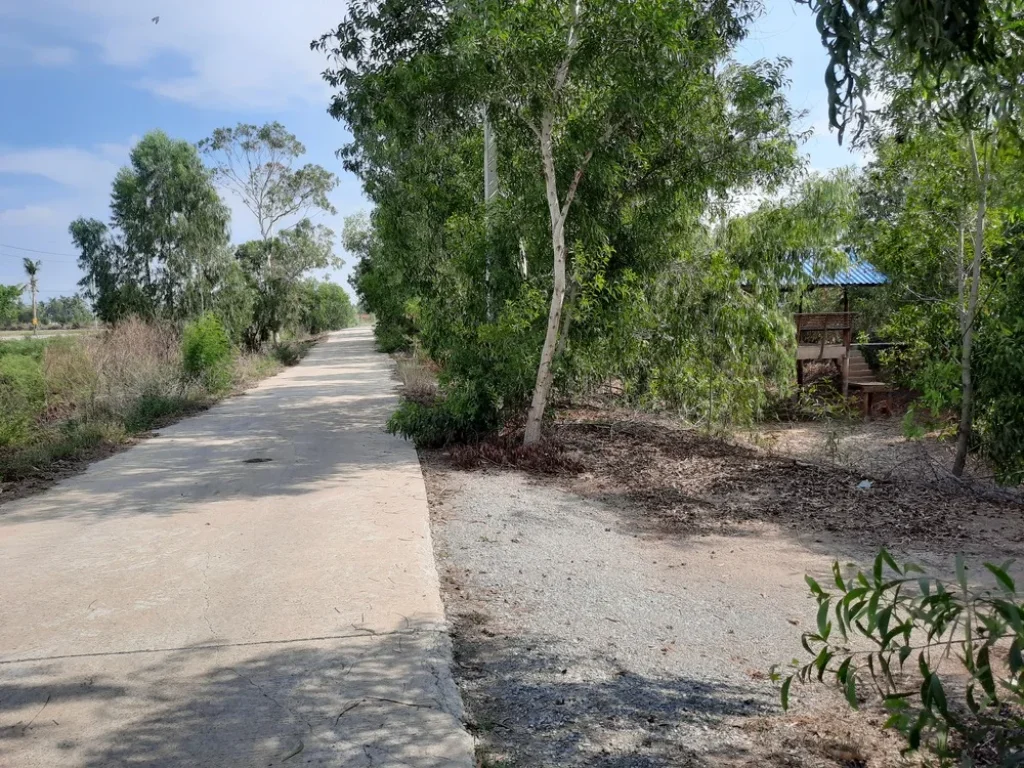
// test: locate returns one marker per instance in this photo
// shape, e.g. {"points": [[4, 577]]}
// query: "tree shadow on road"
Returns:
{"points": [[371, 700]]}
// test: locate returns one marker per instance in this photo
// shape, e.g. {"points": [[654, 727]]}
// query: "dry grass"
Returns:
{"points": [[101, 392], [418, 375], [250, 368]]}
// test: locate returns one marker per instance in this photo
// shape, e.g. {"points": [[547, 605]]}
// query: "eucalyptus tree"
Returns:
{"points": [[260, 164], [172, 222], [620, 122]]}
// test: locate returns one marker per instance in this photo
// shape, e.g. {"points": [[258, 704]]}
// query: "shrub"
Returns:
{"points": [[206, 353], [22, 396], [917, 624], [418, 377], [249, 368], [71, 376], [463, 416], [289, 353], [325, 307]]}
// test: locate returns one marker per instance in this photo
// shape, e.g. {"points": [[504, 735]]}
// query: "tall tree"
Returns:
{"points": [[276, 280], [173, 222], [32, 270], [623, 112], [260, 165], [110, 281]]}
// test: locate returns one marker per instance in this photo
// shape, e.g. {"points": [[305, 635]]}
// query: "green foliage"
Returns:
{"points": [[154, 409], [67, 311], [963, 56], [274, 269], [650, 128], [289, 353], [325, 307], [1000, 361], [916, 214], [917, 627], [207, 352], [22, 394], [461, 417], [235, 302], [10, 303]]}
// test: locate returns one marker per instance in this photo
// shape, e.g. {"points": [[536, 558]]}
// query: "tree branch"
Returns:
{"points": [[578, 176], [562, 73]]}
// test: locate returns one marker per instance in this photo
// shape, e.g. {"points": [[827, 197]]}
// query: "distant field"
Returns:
{"points": [[9, 335]]}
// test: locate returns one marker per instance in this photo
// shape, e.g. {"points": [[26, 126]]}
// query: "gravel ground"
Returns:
{"points": [[581, 640]]}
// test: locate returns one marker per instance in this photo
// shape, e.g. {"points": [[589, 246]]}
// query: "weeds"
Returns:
{"points": [[418, 376], [74, 399]]}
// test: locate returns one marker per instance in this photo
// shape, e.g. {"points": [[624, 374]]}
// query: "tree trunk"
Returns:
{"points": [[967, 318], [545, 374], [35, 320]]}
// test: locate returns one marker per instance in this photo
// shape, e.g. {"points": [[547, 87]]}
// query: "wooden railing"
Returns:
{"points": [[823, 321]]}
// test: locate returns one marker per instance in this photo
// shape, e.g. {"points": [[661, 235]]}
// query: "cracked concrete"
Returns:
{"points": [[179, 605]]}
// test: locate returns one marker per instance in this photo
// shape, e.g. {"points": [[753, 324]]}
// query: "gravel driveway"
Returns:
{"points": [[581, 640]]}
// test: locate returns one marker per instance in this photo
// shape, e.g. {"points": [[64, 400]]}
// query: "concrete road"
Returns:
{"points": [[253, 587]]}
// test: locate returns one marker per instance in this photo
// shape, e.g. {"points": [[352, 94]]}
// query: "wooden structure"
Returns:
{"points": [[823, 336], [829, 335]]}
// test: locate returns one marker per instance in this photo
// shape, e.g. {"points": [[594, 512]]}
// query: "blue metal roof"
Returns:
{"points": [[858, 272]]}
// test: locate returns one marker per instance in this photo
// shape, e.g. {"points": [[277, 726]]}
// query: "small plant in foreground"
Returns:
{"points": [[945, 657]]}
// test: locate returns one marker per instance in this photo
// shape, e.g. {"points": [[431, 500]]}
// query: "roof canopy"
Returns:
{"points": [[857, 273]]}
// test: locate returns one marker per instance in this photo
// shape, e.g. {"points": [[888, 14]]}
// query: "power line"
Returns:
{"points": [[47, 260], [33, 250]]}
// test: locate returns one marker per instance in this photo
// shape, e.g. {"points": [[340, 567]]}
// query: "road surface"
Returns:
{"points": [[253, 587]]}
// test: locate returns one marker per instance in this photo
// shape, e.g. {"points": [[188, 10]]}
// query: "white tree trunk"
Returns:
{"points": [[968, 316], [545, 374]]}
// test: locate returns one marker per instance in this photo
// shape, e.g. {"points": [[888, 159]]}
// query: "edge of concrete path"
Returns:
{"points": [[452, 744], [450, 697]]}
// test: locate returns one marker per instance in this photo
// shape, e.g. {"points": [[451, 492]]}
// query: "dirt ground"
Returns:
{"points": [[618, 601]]}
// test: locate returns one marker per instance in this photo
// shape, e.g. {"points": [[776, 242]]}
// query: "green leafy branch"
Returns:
{"points": [[915, 624]]}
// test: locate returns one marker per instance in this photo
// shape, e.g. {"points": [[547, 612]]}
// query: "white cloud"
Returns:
{"points": [[53, 55], [35, 215], [70, 167], [16, 51], [30, 216], [229, 53]]}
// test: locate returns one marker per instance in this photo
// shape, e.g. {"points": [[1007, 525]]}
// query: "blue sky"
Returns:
{"points": [[81, 80]]}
